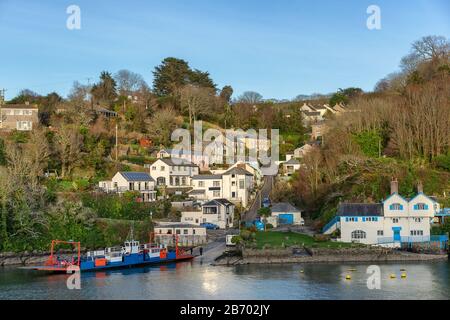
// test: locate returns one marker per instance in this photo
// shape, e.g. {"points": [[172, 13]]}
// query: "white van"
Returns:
{"points": [[229, 241]]}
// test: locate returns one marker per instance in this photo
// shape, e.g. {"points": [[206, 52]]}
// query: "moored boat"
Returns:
{"points": [[131, 254]]}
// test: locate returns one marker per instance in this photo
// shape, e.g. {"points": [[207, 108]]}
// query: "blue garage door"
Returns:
{"points": [[287, 218]]}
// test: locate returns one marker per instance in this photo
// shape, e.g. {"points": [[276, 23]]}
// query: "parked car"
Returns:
{"points": [[210, 226], [266, 203]]}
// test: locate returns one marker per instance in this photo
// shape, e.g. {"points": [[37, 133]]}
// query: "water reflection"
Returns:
{"points": [[192, 280]]}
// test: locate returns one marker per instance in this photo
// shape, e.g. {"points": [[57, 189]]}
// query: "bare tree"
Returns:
{"points": [[250, 97], [197, 101], [69, 142]]}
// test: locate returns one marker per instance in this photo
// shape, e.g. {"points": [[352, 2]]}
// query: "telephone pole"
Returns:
{"points": [[117, 143], [2, 100]]}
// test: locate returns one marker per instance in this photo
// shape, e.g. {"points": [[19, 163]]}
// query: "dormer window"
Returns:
{"points": [[420, 206], [396, 206]]}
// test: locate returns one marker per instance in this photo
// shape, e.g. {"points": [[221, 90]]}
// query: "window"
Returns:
{"points": [[351, 219], [193, 231], [23, 125], [233, 183], [416, 232], [131, 186], [396, 206], [162, 168], [18, 112], [185, 231], [380, 233], [370, 219], [154, 168], [394, 220], [233, 195], [358, 234], [418, 220], [241, 184], [201, 184], [421, 206], [183, 181], [216, 194], [216, 184], [27, 112]]}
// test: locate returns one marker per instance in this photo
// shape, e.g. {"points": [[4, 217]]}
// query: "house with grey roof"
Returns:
{"points": [[290, 167], [173, 173], [140, 182], [235, 184], [392, 222], [287, 214], [217, 211]]}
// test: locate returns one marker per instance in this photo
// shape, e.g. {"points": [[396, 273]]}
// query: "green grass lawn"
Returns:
{"points": [[275, 239]]}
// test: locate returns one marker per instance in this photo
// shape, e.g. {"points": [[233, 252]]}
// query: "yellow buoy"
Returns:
{"points": [[392, 276], [403, 275], [301, 271], [348, 277]]}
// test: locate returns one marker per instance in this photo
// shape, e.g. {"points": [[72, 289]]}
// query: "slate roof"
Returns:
{"points": [[360, 209], [284, 207], [225, 202], [237, 171], [136, 176], [207, 177], [292, 161], [180, 162]]}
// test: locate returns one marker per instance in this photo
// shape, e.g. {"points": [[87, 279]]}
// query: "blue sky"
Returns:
{"points": [[279, 48]]}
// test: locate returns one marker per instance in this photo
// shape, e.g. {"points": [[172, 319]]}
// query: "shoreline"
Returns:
{"points": [[252, 256]]}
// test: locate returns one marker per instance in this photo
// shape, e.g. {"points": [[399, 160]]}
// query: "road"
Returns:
{"points": [[251, 214]]}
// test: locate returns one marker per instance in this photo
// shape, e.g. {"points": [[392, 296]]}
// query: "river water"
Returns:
{"points": [[199, 281]]}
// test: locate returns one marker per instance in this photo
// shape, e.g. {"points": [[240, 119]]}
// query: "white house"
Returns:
{"points": [[122, 182], [395, 220], [287, 214], [218, 211], [173, 173], [201, 159], [187, 234], [236, 185], [290, 167], [302, 151]]}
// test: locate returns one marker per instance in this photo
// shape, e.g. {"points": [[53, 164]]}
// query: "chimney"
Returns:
{"points": [[419, 187], [394, 186]]}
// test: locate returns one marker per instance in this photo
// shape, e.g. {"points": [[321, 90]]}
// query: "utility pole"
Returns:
{"points": [[117, 143], [2, 100]]}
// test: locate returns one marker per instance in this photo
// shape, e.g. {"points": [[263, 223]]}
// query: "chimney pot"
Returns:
{"points": [[394, 186], [419, 187]]}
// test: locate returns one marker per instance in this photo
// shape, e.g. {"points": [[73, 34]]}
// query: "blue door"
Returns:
{"points": [[287, 218], [397, 233]]}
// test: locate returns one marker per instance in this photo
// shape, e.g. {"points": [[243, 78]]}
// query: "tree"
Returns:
{"points": [[161, 125], [429, 48], [171, 75], [250, 97], [69, 142], [24, 96], [198, 101], [104, 92], [344, 95], [226, 93], [128, 82]]}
